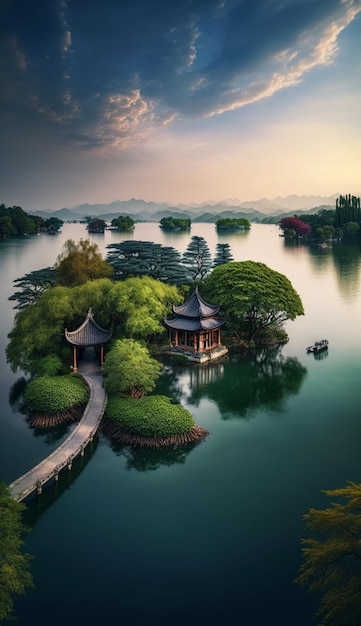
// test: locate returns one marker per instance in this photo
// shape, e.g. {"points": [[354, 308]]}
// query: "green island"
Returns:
{"points": [[150, 421], [123, 223], [232, 224], [175, 223], [52, 400], [15, 222], [253, 304]]}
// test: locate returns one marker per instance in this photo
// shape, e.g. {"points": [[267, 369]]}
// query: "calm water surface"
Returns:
{"points": [[205, 535]]}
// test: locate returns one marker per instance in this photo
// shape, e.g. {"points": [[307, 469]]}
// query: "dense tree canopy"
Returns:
{"points": [[197, 258], [294, 227], [15, 221], [123, 223], [52, 225], [15, 577], [175, 223], [332, 557], [79, 263], [233, 224], [253, 296], [132, 308], [130, 369], [140, 258]]}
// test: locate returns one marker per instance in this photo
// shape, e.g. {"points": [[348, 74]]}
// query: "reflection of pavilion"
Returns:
{"points": [[88, 334], [209, 374], [195, 331]]}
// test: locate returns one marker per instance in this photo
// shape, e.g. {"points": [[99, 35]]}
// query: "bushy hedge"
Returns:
{"points": [[55, 394], [150, 416]]}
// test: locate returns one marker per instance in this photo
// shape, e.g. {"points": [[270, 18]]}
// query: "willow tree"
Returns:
{"points": [[79, 263], [253, 296], [132, 308]]}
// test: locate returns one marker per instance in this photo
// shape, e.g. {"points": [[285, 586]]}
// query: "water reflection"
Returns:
{"points": [[346, 259], [240, 385], [16, 393], [37, 505], [149, 459], [347, 262], [54, 434], [319, 356], [226, 236]]}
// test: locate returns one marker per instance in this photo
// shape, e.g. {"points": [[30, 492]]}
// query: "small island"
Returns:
{"points": [[175, 223], [123, 223], [232, 224]]}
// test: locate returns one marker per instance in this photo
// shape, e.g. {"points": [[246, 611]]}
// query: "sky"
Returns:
{"points": [[183, 101]]}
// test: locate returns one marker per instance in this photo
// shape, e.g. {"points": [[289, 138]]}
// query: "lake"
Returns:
{"points": [[203, 535]]}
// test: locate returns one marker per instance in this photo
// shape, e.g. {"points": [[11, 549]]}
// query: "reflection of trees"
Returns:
{"points": [[177, 380], [232, 235], [319, 356], [54, 434], [320, 258], [240, 384], [16, 393], [148, 459], [263, 379], [346, 257]]}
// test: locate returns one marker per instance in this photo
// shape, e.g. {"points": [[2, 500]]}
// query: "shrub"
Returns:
{"points": [[150, 416], [55, 394]]}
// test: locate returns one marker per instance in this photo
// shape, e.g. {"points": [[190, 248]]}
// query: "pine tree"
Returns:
{"points": [[197, 258], [223, 254], [145, 258]]}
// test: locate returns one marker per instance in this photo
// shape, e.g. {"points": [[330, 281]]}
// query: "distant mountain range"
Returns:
{"points": [[264, 210]]}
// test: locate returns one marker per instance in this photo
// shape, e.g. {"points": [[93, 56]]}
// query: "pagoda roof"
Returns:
{"points": [[194, 325], [196, 307], [89, 333]]}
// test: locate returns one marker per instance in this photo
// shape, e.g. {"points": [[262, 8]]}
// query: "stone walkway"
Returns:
{"points": [[74, 445]]}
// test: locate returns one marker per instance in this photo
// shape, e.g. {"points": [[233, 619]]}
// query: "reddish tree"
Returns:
{"points": [[294, 223]]}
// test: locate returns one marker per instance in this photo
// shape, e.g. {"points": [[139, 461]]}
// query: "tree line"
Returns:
{"points": [[343, 222], [14, 221]]}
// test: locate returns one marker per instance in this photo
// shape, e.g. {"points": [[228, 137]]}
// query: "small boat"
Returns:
{"points": [[318, 346]]}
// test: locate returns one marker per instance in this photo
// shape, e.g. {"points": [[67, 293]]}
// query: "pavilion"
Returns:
{"points": [[89, 334], [195, 330]]}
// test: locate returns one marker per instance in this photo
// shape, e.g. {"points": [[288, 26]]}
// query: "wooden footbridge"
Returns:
{"points": [[73, 446]]}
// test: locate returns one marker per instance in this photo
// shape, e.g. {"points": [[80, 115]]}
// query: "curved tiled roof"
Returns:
{"points": [[195, 306], [194, 325], [89, 333]]}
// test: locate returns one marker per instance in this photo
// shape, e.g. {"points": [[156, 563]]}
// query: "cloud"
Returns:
{"points": [[107, 74]]}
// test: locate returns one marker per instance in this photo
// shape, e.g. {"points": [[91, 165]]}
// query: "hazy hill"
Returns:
{"points": [[140, 210]]}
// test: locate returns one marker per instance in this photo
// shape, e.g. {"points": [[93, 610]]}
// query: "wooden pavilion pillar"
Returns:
{"points": [[102, 355], [75, 365]]}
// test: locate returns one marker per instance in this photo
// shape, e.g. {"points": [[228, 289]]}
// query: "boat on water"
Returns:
{"points": [[318, 346]]}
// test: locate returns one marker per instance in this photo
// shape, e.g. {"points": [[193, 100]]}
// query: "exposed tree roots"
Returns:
{"points": [[42, 420], [112, 430]]}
